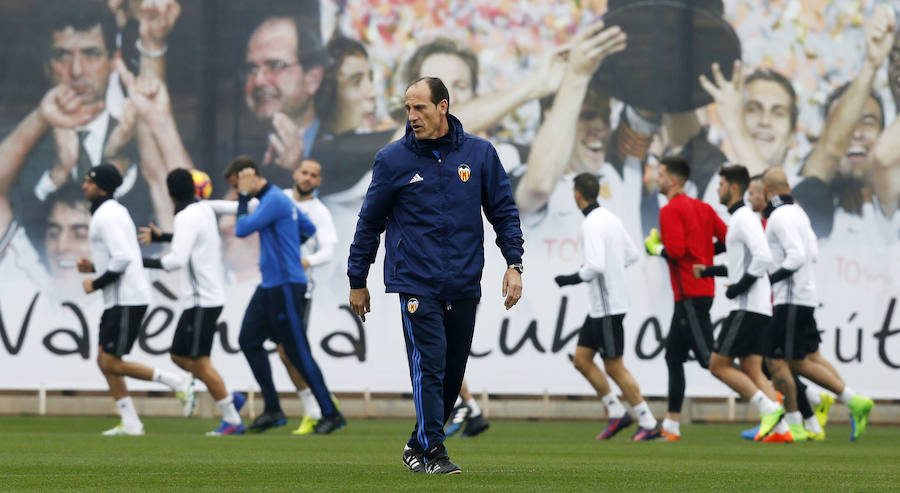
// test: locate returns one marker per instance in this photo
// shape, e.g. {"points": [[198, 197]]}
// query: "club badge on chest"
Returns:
{"points": [[464, 172]]}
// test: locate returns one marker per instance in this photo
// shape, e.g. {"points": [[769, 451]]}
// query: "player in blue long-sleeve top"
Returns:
{"points": [[276, 308]]}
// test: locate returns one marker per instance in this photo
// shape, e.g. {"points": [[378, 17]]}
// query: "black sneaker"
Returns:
{"points": [[475, 425], [268, 420], [442, 465], [413, 459], [330, 423], [457, 419]]}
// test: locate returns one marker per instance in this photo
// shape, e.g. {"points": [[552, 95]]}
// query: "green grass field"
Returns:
{"points": [[52, 453]]}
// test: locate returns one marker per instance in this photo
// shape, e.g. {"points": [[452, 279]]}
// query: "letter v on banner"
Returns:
{"points": [[14, 349]]}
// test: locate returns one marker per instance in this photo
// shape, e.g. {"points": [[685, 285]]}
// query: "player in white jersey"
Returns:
{"points": [[608, 250], [315, 253], [126, 294], [795, 337], [196, 250], [744, 332]]}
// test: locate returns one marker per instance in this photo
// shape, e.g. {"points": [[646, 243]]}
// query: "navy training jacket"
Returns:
{"points": [[431, 208]]}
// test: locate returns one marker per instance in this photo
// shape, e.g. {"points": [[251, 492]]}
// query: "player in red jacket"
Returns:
{"points": [[688, 227]]}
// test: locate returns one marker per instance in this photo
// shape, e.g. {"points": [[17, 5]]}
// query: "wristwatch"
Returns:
{"points": [[517, 267]]}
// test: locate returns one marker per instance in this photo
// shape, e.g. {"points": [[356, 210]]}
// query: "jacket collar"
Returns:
{"points": [[456, 135], [262, 191], [590, 208], [737, 205], [96, 203], [776, 202], [180, 205]]}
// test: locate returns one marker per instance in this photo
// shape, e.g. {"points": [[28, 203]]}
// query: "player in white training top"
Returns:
{"points": [[196, 250], [126, 294]]}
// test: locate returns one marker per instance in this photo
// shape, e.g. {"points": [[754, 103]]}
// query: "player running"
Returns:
{"points": [[196, 250], [608, 250]]}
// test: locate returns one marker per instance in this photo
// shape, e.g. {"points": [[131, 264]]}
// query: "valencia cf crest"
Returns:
{"points": [[464, 172], [412, 305]]}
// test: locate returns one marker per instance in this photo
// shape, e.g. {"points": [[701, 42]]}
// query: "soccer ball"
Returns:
{"points": [[202, 184]]}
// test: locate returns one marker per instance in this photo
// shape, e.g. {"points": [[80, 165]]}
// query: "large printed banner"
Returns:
{"points": [[230, 96]]}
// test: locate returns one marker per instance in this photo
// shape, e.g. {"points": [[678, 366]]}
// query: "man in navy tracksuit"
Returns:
{"points": [[276, 308], [428, 190]]}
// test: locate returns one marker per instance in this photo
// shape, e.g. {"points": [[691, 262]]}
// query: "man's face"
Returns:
{"points": [[66, 239], [755, 196], [592, 134], [308, 177], [894, 70], [425, 117], [454, 72], [274, 80], [767, 115], [724, 190], [856, 158], [79, 59], [666, 181], [91, 190], [355, 95]]}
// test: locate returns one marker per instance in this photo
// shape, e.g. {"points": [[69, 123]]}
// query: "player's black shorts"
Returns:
{"points": [[604, 335], [195, 331], [794, 332], [742, 334], [119, 328], [691, 330]]}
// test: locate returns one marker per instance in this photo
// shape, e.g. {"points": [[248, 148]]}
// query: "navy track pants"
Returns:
{"points": [[277, 313], [438, 339]]}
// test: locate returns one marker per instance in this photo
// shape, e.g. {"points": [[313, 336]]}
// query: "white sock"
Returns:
{"points": [[793, 418], [614, 408], [813, 397], [458, 401], [671, 426], [129, 414], [476, 411], [229, 413], [763, 404], [172, 380], [645, 417], [847, 394], [781, 427], [812, 425], [310, 404]]}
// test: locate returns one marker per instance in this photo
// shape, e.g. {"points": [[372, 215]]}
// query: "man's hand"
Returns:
{"points": [[653, 243], [569, 280], [359, 302], [305, 263], [247, 181], [61, 107], [591, 46], [66, 142], [879, 35], [88, 285], [146, 234], [732, 291], [148, 95], [727, 94], [122, 135], [85, 265], [512, 287], [698, 270], [285, 144], [158, 17], [549, 73]]}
